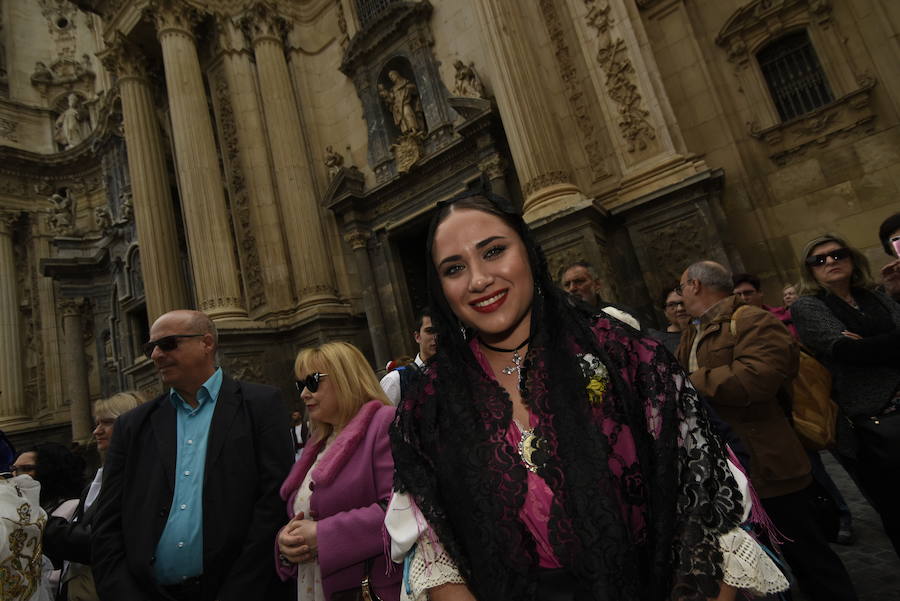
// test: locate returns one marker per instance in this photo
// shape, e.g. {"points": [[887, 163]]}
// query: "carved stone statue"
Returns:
{"points": [[403, 100], [467, 83], [126, 210], [333, 160], [70, 124], [62, 213], [41, 73], [103, 219]]}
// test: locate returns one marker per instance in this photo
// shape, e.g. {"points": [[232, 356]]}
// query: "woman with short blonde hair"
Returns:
{"points": [[71, 541], [337, 491]]}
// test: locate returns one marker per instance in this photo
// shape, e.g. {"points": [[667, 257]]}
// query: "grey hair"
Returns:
{"points": [[711, 274], [592, 271]]}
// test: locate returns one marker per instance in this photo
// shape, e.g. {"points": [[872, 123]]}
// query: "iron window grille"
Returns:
{"points": [[795, 78]]}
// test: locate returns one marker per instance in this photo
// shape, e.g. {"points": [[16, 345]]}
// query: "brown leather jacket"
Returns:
{"points": [[745, 369]]}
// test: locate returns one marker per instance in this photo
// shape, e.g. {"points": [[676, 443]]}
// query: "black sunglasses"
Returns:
{"points": [[311, 382], [166, 343], [838, 254]]}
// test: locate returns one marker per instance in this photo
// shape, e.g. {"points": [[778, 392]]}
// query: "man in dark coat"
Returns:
{"points": [[189, 507]]}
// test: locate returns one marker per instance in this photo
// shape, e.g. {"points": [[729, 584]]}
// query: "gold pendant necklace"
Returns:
{"points": [[530, 449]]}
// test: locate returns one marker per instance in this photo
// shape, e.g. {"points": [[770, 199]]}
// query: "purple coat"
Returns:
{"points": [[348, 486]]}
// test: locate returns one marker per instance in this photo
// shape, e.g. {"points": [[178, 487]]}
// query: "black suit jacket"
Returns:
{"points": [[248, 456]]}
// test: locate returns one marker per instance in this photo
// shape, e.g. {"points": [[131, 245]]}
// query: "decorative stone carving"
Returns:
{"points": [[262, 21], [255, 287], [357, 239], [72, 124], [9, 130], [103, 220], [126, 209], [760, 20], [173, 15], [245, 367], [403, 101], [62, 214], [575, 93], [334, 161], [64, 74], [852, 112], [544, 180], [621, 85], [466, 82], [407, 150]]}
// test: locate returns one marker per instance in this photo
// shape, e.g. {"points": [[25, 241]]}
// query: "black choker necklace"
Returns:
{"points": [[504, 350], [516, 358]]}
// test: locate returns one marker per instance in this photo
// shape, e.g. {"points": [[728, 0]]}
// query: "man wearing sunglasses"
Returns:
{"points": [[189, 507]]}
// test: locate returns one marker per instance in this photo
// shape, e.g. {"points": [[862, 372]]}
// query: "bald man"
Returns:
{"points": [[189, 507]]}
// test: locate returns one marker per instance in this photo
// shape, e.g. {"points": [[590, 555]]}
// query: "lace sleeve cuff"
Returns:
{"points": [[429, 566], [747, 566]]}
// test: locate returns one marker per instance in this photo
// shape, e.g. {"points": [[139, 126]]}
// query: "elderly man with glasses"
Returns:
{"points": [[189, 507]]}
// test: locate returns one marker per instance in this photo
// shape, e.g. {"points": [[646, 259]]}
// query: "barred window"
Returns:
{"points": [[794, 75], [368, 10]]}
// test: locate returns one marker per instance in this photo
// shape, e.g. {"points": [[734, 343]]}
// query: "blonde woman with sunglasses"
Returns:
{"points": [[337, 491], [854, 330]]}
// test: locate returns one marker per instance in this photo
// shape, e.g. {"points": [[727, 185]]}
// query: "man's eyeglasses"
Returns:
{"points": [[23, 469], [679, 289], [166, 343], [310, 382], [838, 254], [105, 422], [745, 293], [674, 304]]}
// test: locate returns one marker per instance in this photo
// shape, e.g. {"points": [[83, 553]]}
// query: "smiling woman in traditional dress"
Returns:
{"points": [[551, 453]]}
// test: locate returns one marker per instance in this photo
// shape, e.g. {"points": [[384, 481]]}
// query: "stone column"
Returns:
{"points": [[75, 369], [12, 392], [256, 167], [311, 265], [154, 211], [534, 140], [210, 241], [359, 242]]}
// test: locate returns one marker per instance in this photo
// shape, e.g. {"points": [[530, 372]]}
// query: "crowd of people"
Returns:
{"points": [[543, 444]]}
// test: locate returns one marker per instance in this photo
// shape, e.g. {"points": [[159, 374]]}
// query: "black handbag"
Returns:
{"points": [[879, 436], [364, 592]]}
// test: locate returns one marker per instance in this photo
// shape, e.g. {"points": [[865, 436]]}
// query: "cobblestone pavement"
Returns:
{"points": [[870, 560]]}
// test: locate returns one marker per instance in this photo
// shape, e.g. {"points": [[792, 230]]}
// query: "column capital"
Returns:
{"points": [[8, 221], [70, 307], [124, 59], [261, 22], [357, 238], [173, 16], [230, 35]]}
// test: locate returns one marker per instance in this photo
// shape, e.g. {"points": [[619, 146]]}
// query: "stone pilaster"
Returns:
{"points": [[211, 244], [154, 211], [12, 394], [310, 263], [75, 369], [534, 139], [359, 241], [256, 168]]}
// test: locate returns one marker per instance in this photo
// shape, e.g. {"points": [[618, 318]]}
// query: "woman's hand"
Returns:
{"points": [[297, 540]]}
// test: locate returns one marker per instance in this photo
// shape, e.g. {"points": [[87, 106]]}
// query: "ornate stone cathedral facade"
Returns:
{"points": [[275, 162]]}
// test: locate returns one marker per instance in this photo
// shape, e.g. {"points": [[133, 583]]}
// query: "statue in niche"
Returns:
{"points": [[467, 83], [403, 101], [103, 220], [62, 213], [126, 210], [334, 161], [70, 123]]}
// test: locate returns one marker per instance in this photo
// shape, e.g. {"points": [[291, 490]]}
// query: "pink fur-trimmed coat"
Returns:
{"points": [[351, 486]]}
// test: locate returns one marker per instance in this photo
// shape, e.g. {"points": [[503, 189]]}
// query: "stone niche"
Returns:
{"points": [[404, 99]]}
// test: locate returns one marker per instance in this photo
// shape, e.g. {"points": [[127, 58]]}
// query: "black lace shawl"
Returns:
{"points": [[641, 485]]}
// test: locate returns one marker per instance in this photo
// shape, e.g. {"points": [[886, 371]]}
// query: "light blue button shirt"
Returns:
{"points": [[179, 552]]}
